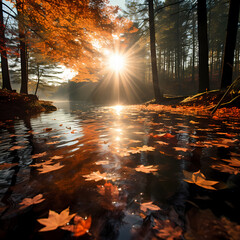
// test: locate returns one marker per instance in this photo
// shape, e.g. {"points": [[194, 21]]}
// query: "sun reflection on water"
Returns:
{"points": [[118, 109]]}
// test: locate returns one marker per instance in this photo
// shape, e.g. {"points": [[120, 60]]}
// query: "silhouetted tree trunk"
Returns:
{"points": [[4, 61], [232, 27], [23, 52], [203, 46], [153, 51]]}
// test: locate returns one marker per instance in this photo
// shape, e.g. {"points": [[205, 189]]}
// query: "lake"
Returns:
{"points": [[125, 172]]}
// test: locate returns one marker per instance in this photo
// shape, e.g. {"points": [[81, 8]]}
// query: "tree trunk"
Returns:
{"points": [[153, 51], [23, 52], [232, 27], [203, 46], [4, 61]]}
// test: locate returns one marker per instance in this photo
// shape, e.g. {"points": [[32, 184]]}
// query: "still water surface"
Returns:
{"points": [[101, 157]]}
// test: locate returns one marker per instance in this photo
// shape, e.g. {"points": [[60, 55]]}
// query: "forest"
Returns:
{"points": [[120, 121], [40, 46]]}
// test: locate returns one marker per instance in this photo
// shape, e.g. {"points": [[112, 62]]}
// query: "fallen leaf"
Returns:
{"points": [[95, 176], [7, 165], [39, 155], [50, 143], [199, 179], [167, 230], [146, 148], [181, 149], [234, 162], [146, 169], [80, 226], [16, 148], [47, 129], [56, 157], [193, 122], [26, 202], [55, 220], [103, 162], [162, 143], [149, 206], [48, 162], [49, 168], [166, 135]]}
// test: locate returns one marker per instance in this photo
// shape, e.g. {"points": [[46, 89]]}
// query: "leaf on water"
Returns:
{"points": [[108, 190], [146, 148], [146, 169], [56, 157], [235, 154], [103, 162], [234, 162], [50, 143], [7, 165], [56, 136], [193, 122], [48, 162], [47, 129], [55, 220], [80, 226], [95, 176], [194, 136], [227, 169], [149, 206], [181, 149], [162, 143], [39, 155], [134, 150], [166, 135], [49, 168], [199, 179], [26, 202], [167, 230], [16, 148]]}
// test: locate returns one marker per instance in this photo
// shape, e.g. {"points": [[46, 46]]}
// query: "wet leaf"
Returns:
{"points": [[103, 162], [199, 179], [47, 129], [181, 149], [167, 230], [146, 148], [95, 176], [7, 165], [162, 143], [26, 202], [55, 220], [166, 135], [16, 148], [38, 155], [51, 143], [56, 157], [146, 169], [234, 162], [149, 206], [49, 168], [42, 163], [80, 226]]}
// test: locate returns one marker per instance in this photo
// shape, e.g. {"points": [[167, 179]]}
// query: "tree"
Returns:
{"points": [[232, 27], [23, 47], [153, 51], [203, 46], [4, 61]]}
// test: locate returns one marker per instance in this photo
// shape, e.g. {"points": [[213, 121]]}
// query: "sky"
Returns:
{"points": [[120, 3]]}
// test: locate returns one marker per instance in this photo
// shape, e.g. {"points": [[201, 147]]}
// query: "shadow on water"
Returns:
{"points": [[123, 166]]}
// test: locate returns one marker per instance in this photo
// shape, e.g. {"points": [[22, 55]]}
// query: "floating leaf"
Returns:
{"points": [[16, 148], [80, 226], [103, 162], [167, 230], [51, 143], [7, 165], [30, 201], [49, 168], [149, 206], [38, 155], [181, 149], [55, 220], [199, 179], [95, 176], [57, 157], [146, 169], [162, 143]]}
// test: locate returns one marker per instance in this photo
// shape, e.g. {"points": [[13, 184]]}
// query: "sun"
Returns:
{"points": [[117, 62]]}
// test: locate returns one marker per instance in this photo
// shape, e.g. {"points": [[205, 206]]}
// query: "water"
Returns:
{"points": [[97, 151]]}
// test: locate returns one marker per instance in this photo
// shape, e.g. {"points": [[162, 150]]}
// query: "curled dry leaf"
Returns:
{"points": [[146, 169], [199, 179], [55, 220], [149, 206], [30, 201], [80, 226]]}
